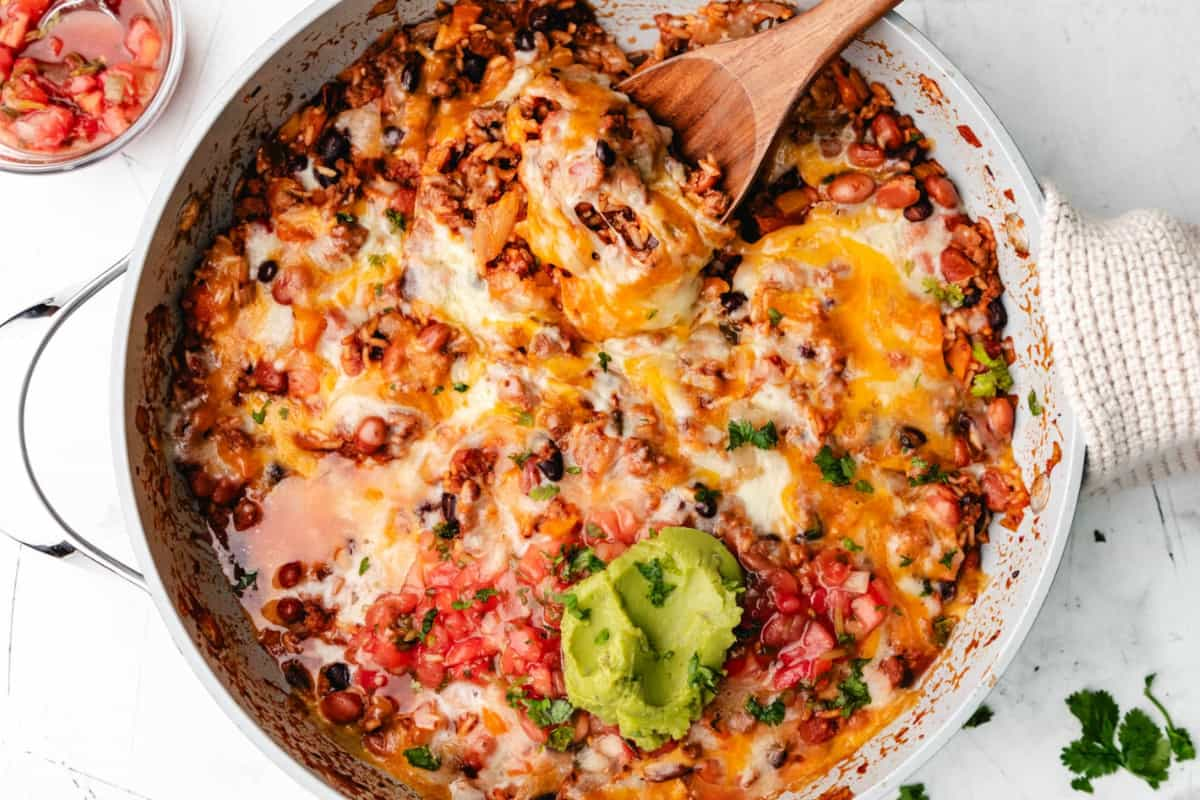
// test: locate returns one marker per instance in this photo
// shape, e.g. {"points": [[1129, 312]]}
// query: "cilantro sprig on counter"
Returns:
{"points": [[1136, 744]]}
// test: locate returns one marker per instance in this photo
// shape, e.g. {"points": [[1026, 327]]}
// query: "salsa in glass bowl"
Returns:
{"points": [[77, 80]]}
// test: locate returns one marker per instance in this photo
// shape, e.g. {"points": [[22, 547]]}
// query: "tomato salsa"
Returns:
{"points": [[74, 80]]}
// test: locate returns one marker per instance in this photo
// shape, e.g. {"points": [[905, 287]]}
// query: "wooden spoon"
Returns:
{"points": [[729, 100]]}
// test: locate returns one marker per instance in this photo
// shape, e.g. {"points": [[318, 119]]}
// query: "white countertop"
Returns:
{"points": [[96, 703]]}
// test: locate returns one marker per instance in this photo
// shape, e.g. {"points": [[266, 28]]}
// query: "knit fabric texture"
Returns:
{"points": [[1122, 303]]}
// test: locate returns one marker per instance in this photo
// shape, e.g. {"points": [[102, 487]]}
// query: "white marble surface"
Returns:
{"points": [[97, 703]]}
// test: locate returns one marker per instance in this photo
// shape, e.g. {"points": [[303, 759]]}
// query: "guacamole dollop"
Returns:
{"points": [[644, 639]]}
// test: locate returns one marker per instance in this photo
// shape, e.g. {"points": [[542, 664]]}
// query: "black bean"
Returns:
{"points": [[552, 465], [267, 270], [777, 757], [524, 40], [449, 506], [375, 353], [946, 589], [971, 296], [722, 266], [786, 182], [474, 65], [298, 162], [297, 676], [706, 501], [338, 676], [547, 18], [329, 179], [997, 316], [918, 211], [392, 136], [732, 301], [963, 423], [333, 145], [410, 76], [605, 153], [276, 472], [911, 438]]}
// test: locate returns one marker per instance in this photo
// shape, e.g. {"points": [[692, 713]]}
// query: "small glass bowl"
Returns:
{"points": [[170, 17]]}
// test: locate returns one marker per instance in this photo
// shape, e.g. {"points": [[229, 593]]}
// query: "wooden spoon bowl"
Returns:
{"points": [[729, 100]]}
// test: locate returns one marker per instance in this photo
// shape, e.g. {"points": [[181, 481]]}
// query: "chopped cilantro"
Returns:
{"points": [[652, 313], [845, 638], [982, 716], [771, 714], [851, 545], [446, 529], [864, 487], [379, 290], [946, 293], [525, 419], [834, 469], [376, 260], [546, 713], [245, 580], [586, 561], [260, 416], [346, 218], [743, 432], [561, 738], [775, 317], [704, 677], [546, 491], [905, 561], [605, 359], [364, 565], [595, 531], [574, 470], [602, 636], [853, 692], [995, 379], [460, 387], [947, 560], [927, 473], [283, 412], [942, 628], [570, 604], [1035, 407], [659, 588], [485, 594], [422, 758], [397, 220], [427, 623], [913, 791], [520, 458], [438, 389]]}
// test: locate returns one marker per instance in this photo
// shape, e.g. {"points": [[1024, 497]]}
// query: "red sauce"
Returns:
{"points": [[80, 82]]}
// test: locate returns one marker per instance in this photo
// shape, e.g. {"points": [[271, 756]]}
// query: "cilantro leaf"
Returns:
{"points": [[836, 470], [864, 486], [995, 379], [771, 714], [460, 387], [1144, 749], [364, 565], [586, 561], [659, 588], [913, 791], [561, 739], [396, 219], [982, 716], [446, 529], [485, 594], [1181, 741], [605, 359], [743, 432], [775, 317], [260, 416], [850, 545], [927, 473], [422, 758], [346, 218], [1097, 712], [427, 623]]}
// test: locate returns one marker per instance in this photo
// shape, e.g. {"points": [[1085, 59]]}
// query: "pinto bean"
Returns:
{"points": [[851, 187], [955, 265], [899, 192], [1000, 418], [996, 490], [270, 379], [941, 504], [941, 190], [226, 491], [887, 131], [997, 316], [342, 708], [815, 730], [290, 574], [919, 211], [433, 337], [896, 670], [202, 484], [290, 610], [371, 434], [290, 284], [869, 156], [297, 676], [247, 514]]}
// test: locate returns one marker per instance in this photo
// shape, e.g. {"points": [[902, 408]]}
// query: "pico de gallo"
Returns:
{"points": [[74, 80]]}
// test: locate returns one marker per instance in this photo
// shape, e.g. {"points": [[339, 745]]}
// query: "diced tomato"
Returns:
{"points": [[115, 121], [541, 681], [833, 566], [6, 62], [816, 640], [868, 611], [827, 601], [144, 41], [533, 567], [56, 45], [783, 629], [470, 649], [45, 129], [370, 680], [429, 670], [34, 8], [13, 29], [618, 523]]}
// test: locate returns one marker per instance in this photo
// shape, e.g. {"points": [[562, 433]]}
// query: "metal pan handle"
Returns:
{"points": [[39, 323]]}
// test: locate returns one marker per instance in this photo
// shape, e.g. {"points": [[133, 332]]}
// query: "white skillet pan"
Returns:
{"points": [[178, 567]]}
